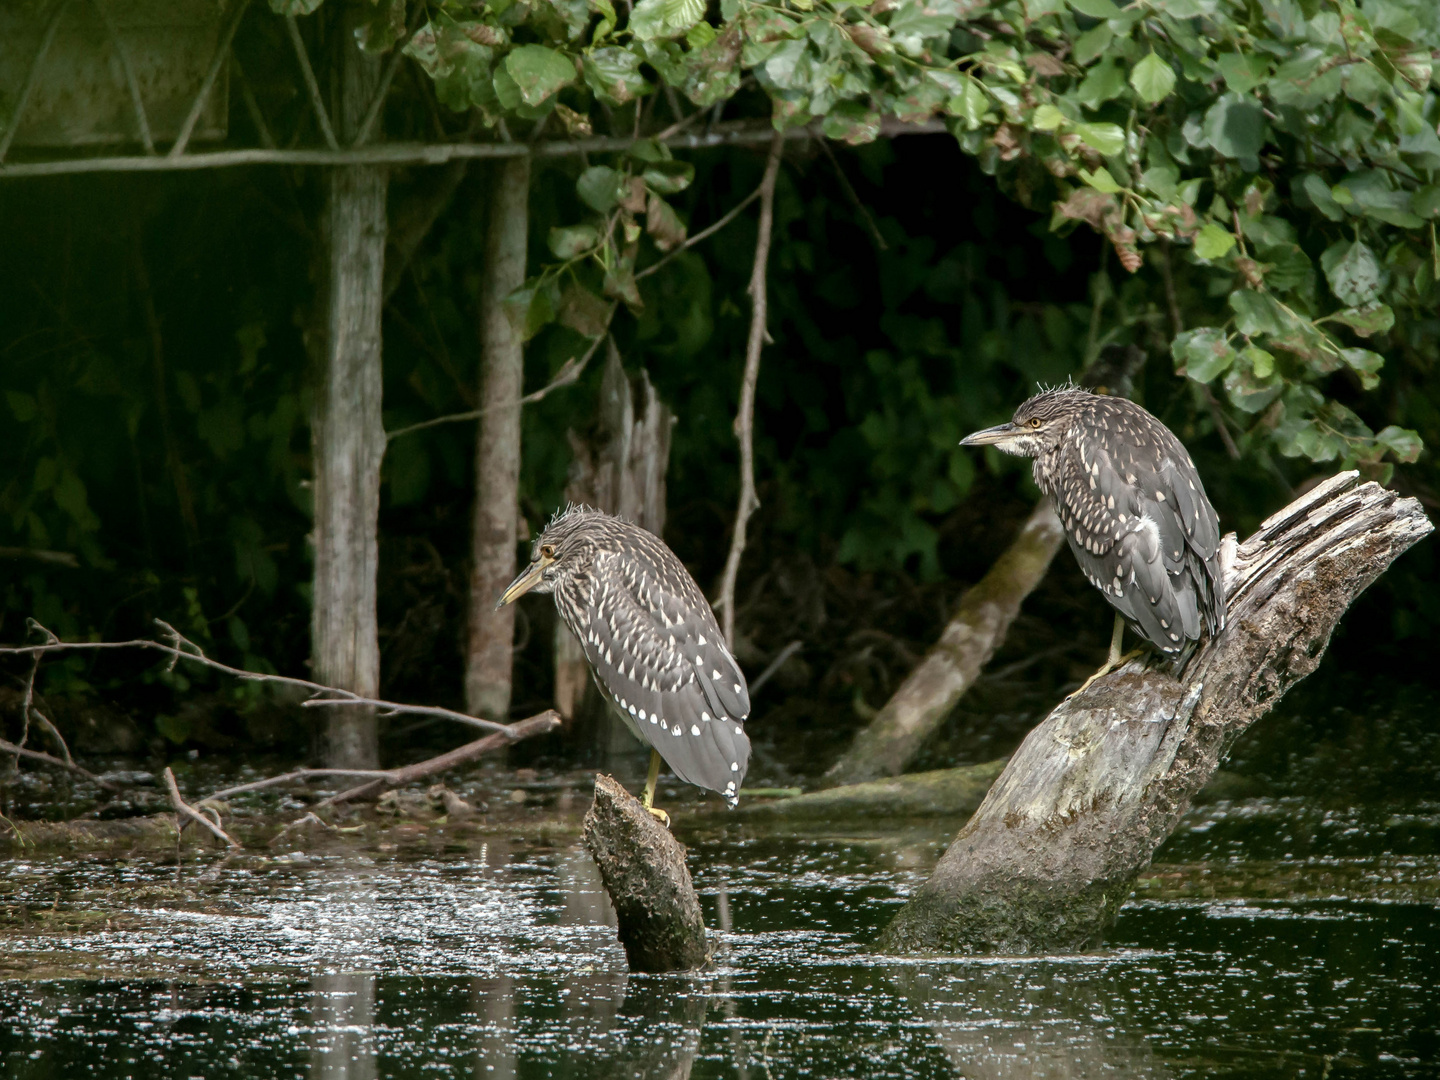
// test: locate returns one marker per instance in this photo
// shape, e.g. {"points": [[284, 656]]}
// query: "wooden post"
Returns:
{"points": [[347, 436], [1052, 853], [497, 448], [644, 871]]}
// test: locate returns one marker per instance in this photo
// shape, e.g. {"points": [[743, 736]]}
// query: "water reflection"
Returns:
{"points": [[1025, 1021], [342, 1002]]}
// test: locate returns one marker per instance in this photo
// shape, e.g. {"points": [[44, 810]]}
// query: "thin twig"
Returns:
{"points": [[309, 819], [521, 729], [252, 106], [569, 372], [185, 649], [32, 76], [222, 48], [1177, 324], [386, 77], [142, 123], [295, 774], [854, 197], [745, 415], [703, 234], [774, 666], [317, 103], [182, 808], [8, 747]]}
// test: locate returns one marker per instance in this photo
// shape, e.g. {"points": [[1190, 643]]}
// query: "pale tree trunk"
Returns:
{"points": [[620, 468], [1053, 851], [892, 739], [348, 438], [497, 449]]}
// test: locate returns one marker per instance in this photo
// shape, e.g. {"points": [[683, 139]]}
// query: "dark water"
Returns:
{"points": [[1277, 940]]}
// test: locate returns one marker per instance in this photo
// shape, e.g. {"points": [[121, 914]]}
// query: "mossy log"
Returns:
{"points": [[940, 793], [644, 871], [1054, 849]]}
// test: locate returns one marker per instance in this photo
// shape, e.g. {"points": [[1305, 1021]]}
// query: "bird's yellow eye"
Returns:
{"points": [[547, 552], [1035, 422]]}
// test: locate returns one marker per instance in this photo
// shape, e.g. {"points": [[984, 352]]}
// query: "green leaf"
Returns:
{"points": [[1104, 139], [294, 7], [1047, 118], [539, 72], [971, 105], [669, 177], [1262, 363], [1373, 318], [853, 123], [530, 307], [1212, 242], [1257, 313], [1096, 9], [1153, 79], [1318, 192], [381, 26], [1366, 364], [681, 15], [1104, 82], [1355, 274], [1100, 180], [1235, 127], [1204, 353], [583, 311], [1092, 44], [1426, 201], [566, 243], [1243, 72], [614, 74], [23, 405], [599, 187], [1404, 443], [1249, 393]]}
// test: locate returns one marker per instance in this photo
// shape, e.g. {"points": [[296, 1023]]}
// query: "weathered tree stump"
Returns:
{"points": [[644, 871], [1051, 854]]}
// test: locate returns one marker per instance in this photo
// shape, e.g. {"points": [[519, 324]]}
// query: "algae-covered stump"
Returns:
{"points": [[644, 871]]}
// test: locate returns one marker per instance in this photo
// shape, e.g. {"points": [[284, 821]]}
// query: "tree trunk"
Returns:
{"points": [[892, 739], [620, 468], [347, 436], [1051, 854], [497, 448]]}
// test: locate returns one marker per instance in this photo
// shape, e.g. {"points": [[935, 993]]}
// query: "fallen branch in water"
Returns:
{"points": [[185, 810]]}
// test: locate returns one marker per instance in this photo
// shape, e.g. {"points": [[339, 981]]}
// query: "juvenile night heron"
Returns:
{"points": [[652, 642], [1134, 511]]}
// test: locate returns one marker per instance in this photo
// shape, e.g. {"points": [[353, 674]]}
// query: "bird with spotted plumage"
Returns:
{"points": [[652, 644], [1134, 511]]}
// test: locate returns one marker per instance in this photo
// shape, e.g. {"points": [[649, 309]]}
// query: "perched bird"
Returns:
{"points": [[652, 643], [1134, 511]]}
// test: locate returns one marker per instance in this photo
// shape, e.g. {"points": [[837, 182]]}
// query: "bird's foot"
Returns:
{"points": [[659, 815], [1105, 669]]}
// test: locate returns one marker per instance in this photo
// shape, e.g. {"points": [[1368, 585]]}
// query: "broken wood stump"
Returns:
{"points": [[644, 871], [1054, 849]]}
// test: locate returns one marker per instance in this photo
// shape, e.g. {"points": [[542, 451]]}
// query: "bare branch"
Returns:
{"points": [[142, 123], [739, 133], [8, 747], [185, 649], [57, 558], [569, 372], [854, 197], [704, 234], [32, 77], [774, 666], [317, 103], [222, 47], [745, 415], [185, 810], [387, 76]]}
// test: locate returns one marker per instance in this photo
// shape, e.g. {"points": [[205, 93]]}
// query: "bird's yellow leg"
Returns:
{"points": [[648, 799], [1114, 660]]}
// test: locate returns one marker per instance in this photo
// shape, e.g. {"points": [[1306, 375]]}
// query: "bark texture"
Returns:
{"points": [[497, 448], [619, 466], [892, 739], [644, 871], [347, 436], [1051, 854]]}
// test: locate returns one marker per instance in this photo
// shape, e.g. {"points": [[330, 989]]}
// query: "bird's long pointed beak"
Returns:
{"points": [[992, 436], [528, 579]]}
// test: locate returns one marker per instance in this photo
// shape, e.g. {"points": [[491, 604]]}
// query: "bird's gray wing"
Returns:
{"points": [[1202, 536], [662, 661]]}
